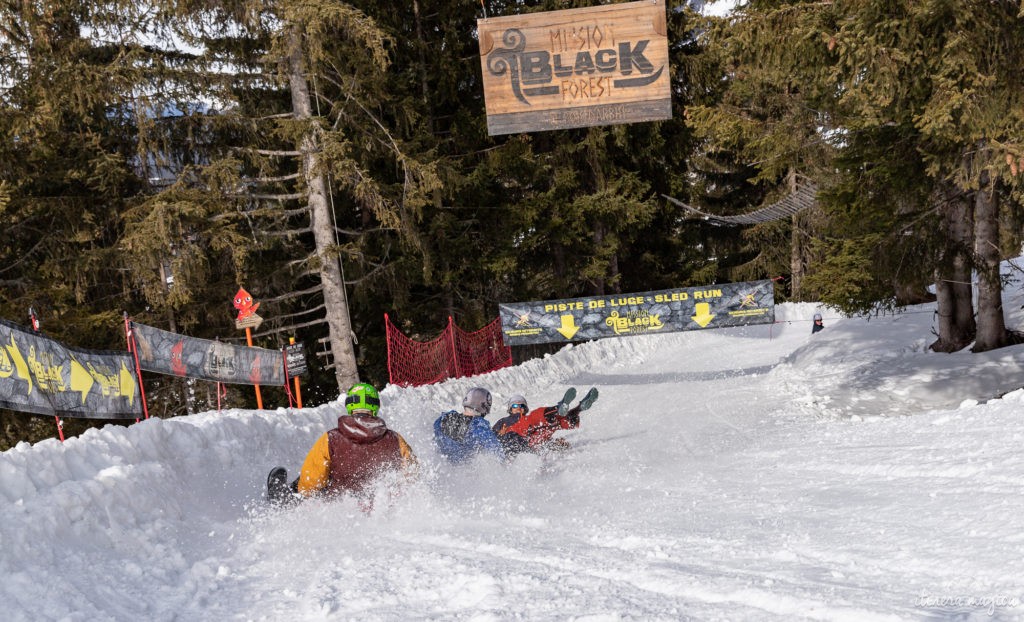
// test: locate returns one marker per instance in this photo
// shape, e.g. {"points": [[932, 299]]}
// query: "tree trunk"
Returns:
{"points": [[614, 272], [796, 259], [597, 237], [797, 248], [953, 275], [183, 398], [944, 303], [909, 293], [558, 262], [335, 299], [420, 47], [991, 325]]}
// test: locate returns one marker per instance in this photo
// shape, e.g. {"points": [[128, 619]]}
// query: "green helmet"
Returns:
{"points": [[362, 396]]}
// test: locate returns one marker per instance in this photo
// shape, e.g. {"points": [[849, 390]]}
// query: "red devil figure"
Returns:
{"points": [[177, 362], [243, 302]]}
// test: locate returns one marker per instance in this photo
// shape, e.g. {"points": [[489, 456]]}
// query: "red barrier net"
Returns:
{"points": [[453, 354]]}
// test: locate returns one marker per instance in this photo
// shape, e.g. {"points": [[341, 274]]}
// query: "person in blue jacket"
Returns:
{"points": [[460, 436]]}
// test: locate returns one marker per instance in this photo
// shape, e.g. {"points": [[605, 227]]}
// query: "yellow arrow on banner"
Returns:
{"points": [[20, 366], [703, 314], [81, 379], [568, 328], [127, 384]]}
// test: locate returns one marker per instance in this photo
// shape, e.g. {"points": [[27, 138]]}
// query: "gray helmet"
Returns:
{"points": [[817, 317], [517, 399], [478, 399]]}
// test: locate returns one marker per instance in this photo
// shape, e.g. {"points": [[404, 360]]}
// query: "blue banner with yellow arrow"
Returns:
{"points": [[663, 311], [43, 376]]}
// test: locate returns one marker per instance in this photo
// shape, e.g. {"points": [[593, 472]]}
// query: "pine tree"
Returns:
{"points": [[297, 129], [69, 169], [849, 74]]}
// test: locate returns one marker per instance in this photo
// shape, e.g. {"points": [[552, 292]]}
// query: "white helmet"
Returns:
{"points": [[478, 399], [517, 399]]}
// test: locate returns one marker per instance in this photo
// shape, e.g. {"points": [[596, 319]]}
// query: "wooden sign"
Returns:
{"points": [[253, 322], [601, 65]]}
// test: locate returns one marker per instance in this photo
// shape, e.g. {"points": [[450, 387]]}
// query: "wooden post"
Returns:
{"points": [[259, 398]]}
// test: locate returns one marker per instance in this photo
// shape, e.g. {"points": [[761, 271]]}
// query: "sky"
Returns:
{"points": [[757, 473], [718, 8]]}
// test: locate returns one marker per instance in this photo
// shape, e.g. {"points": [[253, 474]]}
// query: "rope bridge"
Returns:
{"points": [[803, 196]]}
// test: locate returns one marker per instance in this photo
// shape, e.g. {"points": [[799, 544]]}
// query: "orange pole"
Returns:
{"points": [[133, 348], [34, 324], [298, 387], [259, 398]]}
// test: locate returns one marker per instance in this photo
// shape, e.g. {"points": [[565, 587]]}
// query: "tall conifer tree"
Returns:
{"points": [[845, 72]]}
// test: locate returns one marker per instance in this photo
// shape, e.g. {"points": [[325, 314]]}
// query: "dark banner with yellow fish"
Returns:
{"points": [[169, 353], [664, 311], [43, 376]]}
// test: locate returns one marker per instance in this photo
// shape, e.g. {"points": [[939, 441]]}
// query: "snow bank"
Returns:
{"points": [[756, 473]]}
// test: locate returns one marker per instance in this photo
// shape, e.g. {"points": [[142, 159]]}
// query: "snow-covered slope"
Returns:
{"points": [[759, 473]]}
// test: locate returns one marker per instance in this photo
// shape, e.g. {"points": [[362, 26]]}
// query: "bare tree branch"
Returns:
{"points": [[290, 328], [312, 290], [292, 196], [273, 152], [320, 307], [270, 180], [288, 232]]}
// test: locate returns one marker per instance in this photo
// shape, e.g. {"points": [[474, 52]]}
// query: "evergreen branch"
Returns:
{"points": [[372, 117], [25, 255], [371, 274]]}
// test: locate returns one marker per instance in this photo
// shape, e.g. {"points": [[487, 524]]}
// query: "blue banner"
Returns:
{"points": [[169, 353], [663, 311]]}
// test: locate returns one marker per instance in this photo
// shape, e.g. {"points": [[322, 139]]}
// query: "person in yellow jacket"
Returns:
{"points": [[351, 456]]}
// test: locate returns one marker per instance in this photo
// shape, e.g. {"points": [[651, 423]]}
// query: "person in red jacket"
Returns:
{"points": [[517, 407], [512, 442], [348, 458], [524, 431]]}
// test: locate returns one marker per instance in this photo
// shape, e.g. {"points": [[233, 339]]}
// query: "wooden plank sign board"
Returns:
{"points": [[601, 65]]}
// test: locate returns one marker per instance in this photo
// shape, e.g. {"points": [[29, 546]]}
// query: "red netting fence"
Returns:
{"points": [[452, 354]]}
